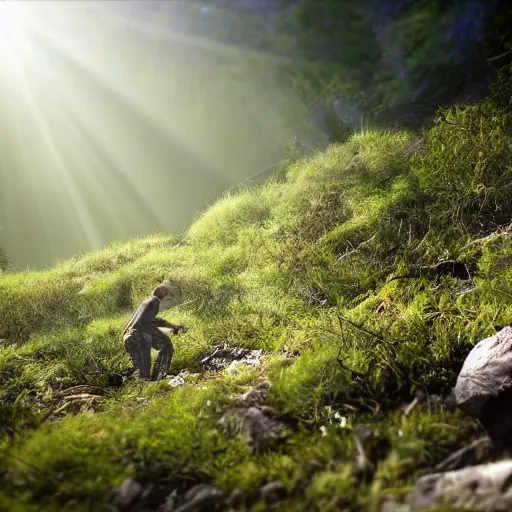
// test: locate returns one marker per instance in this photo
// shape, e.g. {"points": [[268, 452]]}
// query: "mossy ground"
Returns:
{"points": [[301, 268]]}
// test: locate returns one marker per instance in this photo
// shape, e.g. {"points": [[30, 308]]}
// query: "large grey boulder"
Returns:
{"points": [[486, 487], [484, 385]]}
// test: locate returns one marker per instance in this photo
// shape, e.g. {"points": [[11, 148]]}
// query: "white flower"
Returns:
{"points": [[323, 430], [341, 419]]}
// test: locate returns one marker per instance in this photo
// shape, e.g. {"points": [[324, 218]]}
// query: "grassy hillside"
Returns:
{"points": [[301, 268]]}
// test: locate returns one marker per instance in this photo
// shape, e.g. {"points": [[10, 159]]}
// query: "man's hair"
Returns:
{"points": [[162, 291]]}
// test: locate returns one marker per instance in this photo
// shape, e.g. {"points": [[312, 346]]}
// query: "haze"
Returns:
{"points": [[118, 119]]}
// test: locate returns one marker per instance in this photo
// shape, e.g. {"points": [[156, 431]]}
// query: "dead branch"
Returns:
{"points": [[77, 390], [349, 253], [353, 373], [341, 318], [209, 357], [408, 409], [62, 408], [82, 397], [496, 234], [73, 400], [388, 344], [500, 56], [426, 234]]}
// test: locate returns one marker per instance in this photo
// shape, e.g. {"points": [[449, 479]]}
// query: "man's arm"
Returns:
{"points": [[160, 322]]}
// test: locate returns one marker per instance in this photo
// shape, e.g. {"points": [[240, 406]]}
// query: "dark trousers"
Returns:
{"points": [[139, 344]]}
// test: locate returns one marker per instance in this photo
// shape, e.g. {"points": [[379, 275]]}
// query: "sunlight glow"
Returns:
{"points": [[11, 26], [113, 124]]}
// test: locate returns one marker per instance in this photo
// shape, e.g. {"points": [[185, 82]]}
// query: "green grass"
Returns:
{"points": [[301, 268]]}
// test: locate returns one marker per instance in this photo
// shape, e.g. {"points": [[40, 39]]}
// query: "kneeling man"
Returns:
{"points": [[142, 333]]}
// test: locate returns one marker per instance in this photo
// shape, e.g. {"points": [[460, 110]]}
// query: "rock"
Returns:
{"points": [[259, 424], [450, 401], [176, 381], [126, 494], [252, 358], [256, 395], [484, 385], [223, 356], [170, 502], [485, 487], [487, 371], [477, 452], [390, 505], [273, 491], [435, 400], [252, 419], [235, 499], [201, 497]]}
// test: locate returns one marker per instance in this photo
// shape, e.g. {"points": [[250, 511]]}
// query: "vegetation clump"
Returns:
{"points": [[338, 272]]}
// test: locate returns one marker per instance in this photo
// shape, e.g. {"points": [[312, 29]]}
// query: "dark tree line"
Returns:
{"points": [[386, 61]]}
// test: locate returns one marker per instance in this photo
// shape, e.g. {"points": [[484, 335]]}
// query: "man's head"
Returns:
{"points": [[165, 294]]}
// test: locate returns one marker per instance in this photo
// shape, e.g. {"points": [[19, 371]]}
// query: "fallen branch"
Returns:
{"points": [[209, 357], [82, 397], [363, 329], [426, 234], [62, 408], [500, 56], [408, 409], [353, 373], [78, 390], [390, 361], [73, 400], [349, 253], [496, 234]]}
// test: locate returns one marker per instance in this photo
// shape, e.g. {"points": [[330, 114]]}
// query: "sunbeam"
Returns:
{"points": [[11, 26], [121, 124]]}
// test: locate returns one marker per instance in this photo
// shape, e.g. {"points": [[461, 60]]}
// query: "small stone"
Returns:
{"points": [[170, 502], [390, 505], [258, 424], [450, 402], [273, 491], [201, 497], [178, 380], [435, 399], [421, 396], [126, 493], [256, 395], [235, 499]]}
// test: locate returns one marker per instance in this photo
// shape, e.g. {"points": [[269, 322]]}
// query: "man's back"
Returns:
{"points": [[144, 315]]}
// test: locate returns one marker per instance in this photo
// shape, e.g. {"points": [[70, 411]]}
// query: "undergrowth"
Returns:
{"points": [[332, 271]]}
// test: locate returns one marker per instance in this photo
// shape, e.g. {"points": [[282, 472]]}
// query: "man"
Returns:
{"points": [[142, 333]]}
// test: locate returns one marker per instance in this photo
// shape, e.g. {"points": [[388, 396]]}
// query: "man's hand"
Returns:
{"points": [[178, 328]]}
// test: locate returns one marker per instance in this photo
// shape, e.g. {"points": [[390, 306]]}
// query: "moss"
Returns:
{"points": [[301, 268]]}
